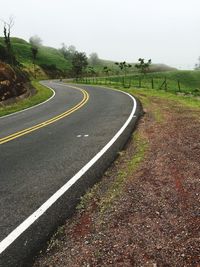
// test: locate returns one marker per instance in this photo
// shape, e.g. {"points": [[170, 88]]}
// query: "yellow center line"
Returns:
{"points": [[50, 121]]}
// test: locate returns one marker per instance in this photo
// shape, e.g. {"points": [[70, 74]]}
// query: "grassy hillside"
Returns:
{"points": [[114, 69], [46, 56], [50, 62]]}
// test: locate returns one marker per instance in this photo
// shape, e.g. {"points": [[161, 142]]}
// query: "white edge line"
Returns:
{"points": [[12, 114], [6, 242]]}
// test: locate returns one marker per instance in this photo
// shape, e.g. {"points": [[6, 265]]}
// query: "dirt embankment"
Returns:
{"points": [[154, 218], [13, 82]]}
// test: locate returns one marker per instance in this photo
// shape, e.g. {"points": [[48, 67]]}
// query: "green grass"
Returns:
{"points": [[46, 55], [43, 93], [188, 101], [189, 81], [116, 188], [51, 56]]}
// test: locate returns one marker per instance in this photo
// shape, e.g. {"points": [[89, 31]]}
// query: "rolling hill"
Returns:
{"points": [[50, 62], [47, 56]]}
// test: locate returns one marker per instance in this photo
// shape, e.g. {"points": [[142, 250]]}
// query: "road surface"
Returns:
{"points": [[50, 155]]}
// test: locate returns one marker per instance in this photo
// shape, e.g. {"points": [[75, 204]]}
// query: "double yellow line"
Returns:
{"points": [[50, 121]]}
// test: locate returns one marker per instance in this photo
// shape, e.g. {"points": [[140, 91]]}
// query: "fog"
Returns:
{"points": [[165, 31]]}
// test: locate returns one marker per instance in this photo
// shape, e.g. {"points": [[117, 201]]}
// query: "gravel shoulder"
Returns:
{"points": [[146, 209]]}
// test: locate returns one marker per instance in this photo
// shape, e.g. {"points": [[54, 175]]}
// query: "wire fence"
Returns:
{"points": [[157, 83]]}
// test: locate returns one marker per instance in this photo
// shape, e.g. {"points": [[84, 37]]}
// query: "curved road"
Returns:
{"points": [[42, 148]]}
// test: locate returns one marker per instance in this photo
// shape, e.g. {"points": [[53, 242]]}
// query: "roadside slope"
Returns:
{"points": [[145, 211]]}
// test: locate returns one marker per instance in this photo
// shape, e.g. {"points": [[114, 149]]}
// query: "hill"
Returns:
{"points": [[114, 69], [48, 58], [50, 62]]}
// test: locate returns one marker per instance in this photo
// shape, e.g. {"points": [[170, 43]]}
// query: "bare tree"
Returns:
{"points": [[7, 31]]}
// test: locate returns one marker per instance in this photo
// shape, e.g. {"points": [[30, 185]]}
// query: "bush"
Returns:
{"points": [[52, 70]]}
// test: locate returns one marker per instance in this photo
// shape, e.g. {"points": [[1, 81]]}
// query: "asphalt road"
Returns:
{"points": [[42, 148]]}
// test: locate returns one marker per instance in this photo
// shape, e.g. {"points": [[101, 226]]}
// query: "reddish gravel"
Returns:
{"points": [[155, 221]]}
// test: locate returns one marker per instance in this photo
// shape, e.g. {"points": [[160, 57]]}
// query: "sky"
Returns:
{"points": [[167, 31]]}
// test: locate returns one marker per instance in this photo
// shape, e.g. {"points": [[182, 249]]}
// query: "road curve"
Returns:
{"points": [[50, 155]]}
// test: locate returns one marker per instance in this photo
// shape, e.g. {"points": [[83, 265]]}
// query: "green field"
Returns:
{"points": [[186, 82]]}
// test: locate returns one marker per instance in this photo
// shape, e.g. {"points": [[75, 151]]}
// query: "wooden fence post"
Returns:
{"points": [[140, 82], [179, 86], [152, 84], [166, 84]]}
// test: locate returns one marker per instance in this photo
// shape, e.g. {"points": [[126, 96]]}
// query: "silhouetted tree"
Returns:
{"points": [[10, 57]]}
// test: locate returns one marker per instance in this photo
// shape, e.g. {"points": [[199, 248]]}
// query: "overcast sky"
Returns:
{"points": [[167, 31]]}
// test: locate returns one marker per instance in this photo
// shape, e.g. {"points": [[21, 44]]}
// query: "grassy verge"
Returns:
{"points": [[43, 93], [141, 145], [146, 94], [116, 188], [128, 214], [189, 101], [106, 199]]}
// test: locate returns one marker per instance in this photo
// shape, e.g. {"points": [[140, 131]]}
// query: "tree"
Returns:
{"points": [[35, 41], [10, 57], [3, 53], [106, 70], [34, 51], [92, 71], [63, 50], [79, 63], [94, 59], [67, 52], [197, 65], [123, 66], [72, 49], [142, 66]]}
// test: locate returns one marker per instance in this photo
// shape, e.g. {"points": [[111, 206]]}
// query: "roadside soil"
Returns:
{"points": [[154, 218], [13, 82]]}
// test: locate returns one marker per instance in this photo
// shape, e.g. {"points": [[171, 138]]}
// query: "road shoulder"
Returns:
{"points": [[144, 212]]}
